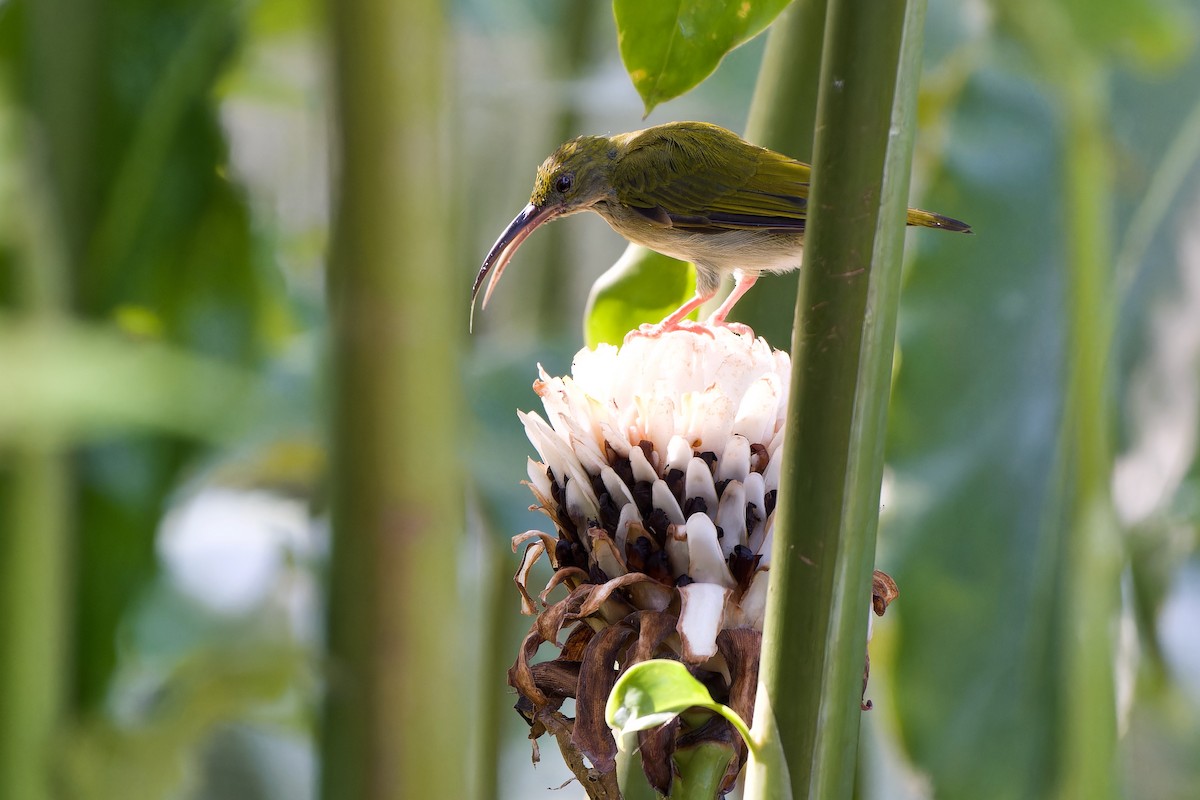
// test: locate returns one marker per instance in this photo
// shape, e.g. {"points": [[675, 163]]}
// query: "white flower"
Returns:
{"points": [[659, 471], [661, 457]]}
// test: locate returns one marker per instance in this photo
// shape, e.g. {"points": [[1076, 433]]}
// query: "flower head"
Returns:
{"points": [[659, 471]]}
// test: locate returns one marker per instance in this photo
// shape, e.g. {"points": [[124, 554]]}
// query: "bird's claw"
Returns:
{"points": [[655, 330]]}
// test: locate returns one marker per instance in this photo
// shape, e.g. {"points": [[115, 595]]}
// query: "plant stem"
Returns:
{"points": [[782, 115], [393, 725], [1091, 559], [36, 592], [815, 635]]}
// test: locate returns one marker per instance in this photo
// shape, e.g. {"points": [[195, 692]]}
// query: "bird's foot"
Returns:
{"points": [[653, 331], [739, 328]]}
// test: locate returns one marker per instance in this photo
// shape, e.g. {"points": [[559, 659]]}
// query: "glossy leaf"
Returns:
{"points": [[642, 286], [669, 47], [654, 692]]}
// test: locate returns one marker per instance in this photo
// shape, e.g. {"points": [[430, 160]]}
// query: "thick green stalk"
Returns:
{"points": [[1090, 589], [34, 607], [815, 636], [782, 116], [1092, 559], [393, 724], [35, 493]]}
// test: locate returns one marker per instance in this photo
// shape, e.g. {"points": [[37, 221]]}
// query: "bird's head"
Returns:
{"points": [[574, 178]]}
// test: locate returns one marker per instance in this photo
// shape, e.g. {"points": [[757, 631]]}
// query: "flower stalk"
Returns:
{"points": [[842, 344]]}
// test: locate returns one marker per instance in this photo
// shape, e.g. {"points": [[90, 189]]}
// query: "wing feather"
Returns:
{"points": [[703, 178]]}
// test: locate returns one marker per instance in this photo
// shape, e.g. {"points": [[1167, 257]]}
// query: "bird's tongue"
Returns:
{"points": [[502, 251]]}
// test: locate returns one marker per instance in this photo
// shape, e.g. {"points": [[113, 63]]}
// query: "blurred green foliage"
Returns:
{"points": [[161, 316]]}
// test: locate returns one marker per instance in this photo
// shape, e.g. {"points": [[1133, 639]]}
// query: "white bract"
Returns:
{"points": [[662, 457]]}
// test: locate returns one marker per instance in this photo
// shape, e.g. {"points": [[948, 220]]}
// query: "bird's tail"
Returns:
{"points": [[928, 219]]}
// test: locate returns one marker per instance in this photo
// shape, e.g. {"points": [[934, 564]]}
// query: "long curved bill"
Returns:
{"points": [[530, 218]]}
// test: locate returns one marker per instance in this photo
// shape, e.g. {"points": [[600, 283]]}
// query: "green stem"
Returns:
{"points": [[1091, 572], [782, 115], [394, 721], [815, 636], [1091, 559], [35, 493]]}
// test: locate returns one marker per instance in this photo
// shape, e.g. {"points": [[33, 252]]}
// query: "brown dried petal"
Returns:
{"points": [[563, 576], [741, 648], [654, 628], [520, 676], [661, 595], [883, 592], [546, 539], [596, 679], [532, 553], [598, 785], [656, 747], [576, 642], [556, 679], [551, 621]]}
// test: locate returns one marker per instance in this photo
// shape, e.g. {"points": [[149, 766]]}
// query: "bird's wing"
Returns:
{"points": [[703, 178]]}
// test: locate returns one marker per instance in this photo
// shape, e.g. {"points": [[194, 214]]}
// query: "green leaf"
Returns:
{"points": [[654, 692], [670, 47], [79, 380], [643, 286]]}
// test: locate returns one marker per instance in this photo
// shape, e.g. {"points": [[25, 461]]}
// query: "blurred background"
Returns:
{"points": [[167, 174]]}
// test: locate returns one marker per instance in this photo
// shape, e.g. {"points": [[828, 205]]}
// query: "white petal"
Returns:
{"points": [[759, 409], [616, 487], [699, 483], [734, 462], [662, 498], [754, 601], [700, 616], [659, 421], [715, 422], [677, 550], [679, 453], [731, 517], [581, 504], [768, 541], [629, 516], [706, 562], [755, 497], [538, 480], [771, 476], [606, 554], [642, 471]]}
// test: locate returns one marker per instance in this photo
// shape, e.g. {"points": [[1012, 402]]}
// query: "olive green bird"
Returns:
{"points": [[689, 190]]}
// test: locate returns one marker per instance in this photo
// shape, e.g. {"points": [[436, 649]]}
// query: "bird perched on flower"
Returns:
{"points": [[689, 190]]}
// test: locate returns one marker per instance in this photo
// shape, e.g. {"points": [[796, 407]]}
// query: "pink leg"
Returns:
{"points": [[744, 282], [676, 320]]}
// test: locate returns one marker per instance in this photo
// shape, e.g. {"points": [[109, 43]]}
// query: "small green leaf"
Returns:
{"points": [[669, 47], [654, 692], [643, 286]]}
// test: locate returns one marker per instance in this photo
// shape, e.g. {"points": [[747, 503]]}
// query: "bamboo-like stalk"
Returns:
{"points": [[782, 115], [1091, 558], [815, 635], [393, 722], [35, 531]]}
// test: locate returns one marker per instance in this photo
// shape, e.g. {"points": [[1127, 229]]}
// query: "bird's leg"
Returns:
{"points": [[677, 321], [743, 283]]}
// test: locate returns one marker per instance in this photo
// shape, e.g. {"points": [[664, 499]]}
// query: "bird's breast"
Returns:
{"points": [[752, 251]]}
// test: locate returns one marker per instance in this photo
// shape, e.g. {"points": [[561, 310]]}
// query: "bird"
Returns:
{"points": [[690, 190]]}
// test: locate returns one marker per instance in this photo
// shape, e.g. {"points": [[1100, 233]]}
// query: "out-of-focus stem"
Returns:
{"points": [[394, 722]]}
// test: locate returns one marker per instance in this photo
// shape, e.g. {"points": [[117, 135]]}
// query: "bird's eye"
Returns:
{"points": [[564, 182]]}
